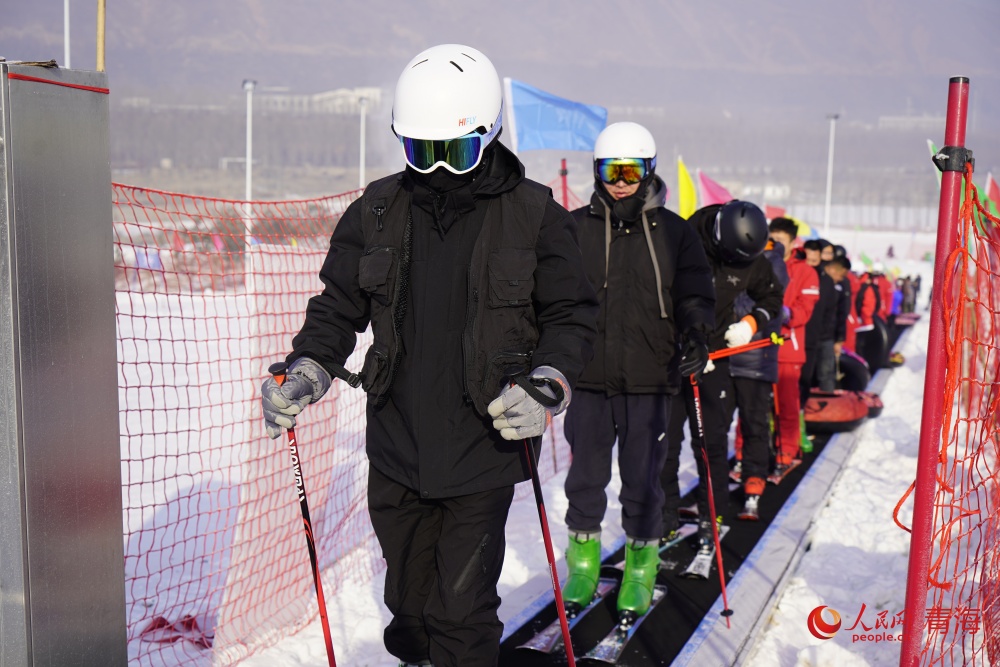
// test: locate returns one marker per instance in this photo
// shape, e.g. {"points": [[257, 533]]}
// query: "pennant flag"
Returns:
{"points": [[687, 196], [804, 231], [540, 120], [866, 260], [934, 151], [712, 192], [772, 212], [992, 192]]}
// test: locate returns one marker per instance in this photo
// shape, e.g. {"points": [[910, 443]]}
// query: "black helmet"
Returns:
{"points": [[740, 231]]}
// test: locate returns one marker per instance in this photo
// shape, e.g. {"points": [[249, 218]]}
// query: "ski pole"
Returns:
{"points": [[536, 484], [775, 339], [278, 371], [726, 611]]}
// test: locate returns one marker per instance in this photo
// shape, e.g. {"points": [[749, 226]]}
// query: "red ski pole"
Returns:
{"points": [[529, 453], [278, 371], [726, 611], [775, 339]]}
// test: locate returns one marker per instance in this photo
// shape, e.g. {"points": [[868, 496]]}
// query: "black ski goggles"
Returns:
{"points": [[630, 170], [458, 155]]}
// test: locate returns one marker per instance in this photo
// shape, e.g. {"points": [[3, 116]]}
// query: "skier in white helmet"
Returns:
{"points": [[654, 285], [469, 274]]}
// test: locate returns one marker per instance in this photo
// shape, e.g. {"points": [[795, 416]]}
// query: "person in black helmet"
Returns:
{"points": [[734, 236]]}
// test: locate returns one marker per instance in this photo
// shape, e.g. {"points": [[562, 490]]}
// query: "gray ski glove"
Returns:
{"points": [[305, 382], [517, 415]]}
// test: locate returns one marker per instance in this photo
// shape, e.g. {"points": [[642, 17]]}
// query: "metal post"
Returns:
{"points": [[363, 102], [829, 174], [101, 14], [66, 62], [248, 86], [934, 389]]}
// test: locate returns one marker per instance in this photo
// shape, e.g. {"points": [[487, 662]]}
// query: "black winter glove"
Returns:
{"points": [[694, 357]]}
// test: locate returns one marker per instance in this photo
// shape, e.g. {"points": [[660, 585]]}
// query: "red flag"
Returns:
{"points": [[772, 212], [712, 192]]}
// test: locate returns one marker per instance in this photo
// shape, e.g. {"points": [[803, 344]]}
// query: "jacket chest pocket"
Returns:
{"points": [[512, 277], [374, 270]]}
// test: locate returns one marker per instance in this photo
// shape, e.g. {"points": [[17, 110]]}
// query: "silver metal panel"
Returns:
{"points": [[14, 630], [64, 367]]}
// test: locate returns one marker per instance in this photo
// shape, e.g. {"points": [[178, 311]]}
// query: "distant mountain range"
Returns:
{"points": [[766, 58]]}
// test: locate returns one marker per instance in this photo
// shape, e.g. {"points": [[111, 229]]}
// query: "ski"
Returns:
{"points": [[701, 565], [779, 474], [549, 639], [611, 647]]}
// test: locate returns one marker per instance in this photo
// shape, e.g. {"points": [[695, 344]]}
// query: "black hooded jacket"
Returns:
{"points": [[756, 278], [427, 435], [653, 284]]}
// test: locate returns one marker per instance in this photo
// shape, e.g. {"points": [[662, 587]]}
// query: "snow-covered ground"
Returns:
{"points": [[858, 555]]}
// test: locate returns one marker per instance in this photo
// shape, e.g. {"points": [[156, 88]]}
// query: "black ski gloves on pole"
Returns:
{"points": [[694, 355]]}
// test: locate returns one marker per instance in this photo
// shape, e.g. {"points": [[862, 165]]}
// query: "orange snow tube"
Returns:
{"points": [[836, 411]]}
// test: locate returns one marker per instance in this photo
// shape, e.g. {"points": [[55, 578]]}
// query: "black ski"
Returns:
{"points": [[701, 565], [549, 639], [611, 647]]}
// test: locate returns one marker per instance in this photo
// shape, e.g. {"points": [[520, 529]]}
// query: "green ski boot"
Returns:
{"points": [[583, 560], [642, 561], [805, 442]]}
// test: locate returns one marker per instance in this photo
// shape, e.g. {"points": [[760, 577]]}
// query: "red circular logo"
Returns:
{"points": [[819, 627]]}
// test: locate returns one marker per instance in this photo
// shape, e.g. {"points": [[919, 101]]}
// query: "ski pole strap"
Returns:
{"points": [[531, 385], [775, 339], [280, 368]]}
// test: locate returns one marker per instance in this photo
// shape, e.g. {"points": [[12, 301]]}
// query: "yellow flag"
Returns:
{"points": [[687, 196]]}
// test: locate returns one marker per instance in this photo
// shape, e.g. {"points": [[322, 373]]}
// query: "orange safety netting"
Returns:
{"points": [[962, 625], [209, 292]]}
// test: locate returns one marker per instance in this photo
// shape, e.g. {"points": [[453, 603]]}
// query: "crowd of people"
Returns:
{"points": [[479, 287]]}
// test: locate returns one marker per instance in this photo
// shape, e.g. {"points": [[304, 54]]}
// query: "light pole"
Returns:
{"points": [[829, 174], [66, 63], [248, 86], [363, 103]]}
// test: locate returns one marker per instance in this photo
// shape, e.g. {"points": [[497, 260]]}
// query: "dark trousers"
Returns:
{"points": [[808, 372], [443, 559], [717, 405], [754, 401], [639, 422], [826, 366]]}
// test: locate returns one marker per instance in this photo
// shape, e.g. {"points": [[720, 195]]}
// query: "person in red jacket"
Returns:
{"points": [[801, 296]]}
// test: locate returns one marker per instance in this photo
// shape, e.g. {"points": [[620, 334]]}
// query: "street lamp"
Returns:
{"points": [[829, 174], [66, 34], [248, 86], [363, 103]]}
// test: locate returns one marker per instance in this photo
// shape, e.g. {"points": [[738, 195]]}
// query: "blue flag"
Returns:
{"points": [[541, 120]]}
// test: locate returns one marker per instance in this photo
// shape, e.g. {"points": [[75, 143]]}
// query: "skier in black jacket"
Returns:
{"points": [[468, 273], [733, 235], [821, 330], [656, 297]]}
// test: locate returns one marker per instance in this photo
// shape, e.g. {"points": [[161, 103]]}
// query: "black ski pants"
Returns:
{"points": [[639, 422], [717, 405], [443, 559], [755, 401]]}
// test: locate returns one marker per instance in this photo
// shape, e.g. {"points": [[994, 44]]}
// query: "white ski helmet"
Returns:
{"points": [[446, 92], [625, 140]]}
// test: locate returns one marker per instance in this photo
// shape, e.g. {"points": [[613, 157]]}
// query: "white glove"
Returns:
{"points": [[709, 367], [305, 382], [738, 334], [517, 415]]}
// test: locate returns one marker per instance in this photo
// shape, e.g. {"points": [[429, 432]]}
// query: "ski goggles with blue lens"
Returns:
{"points": [[458, 155], [631, 170]]}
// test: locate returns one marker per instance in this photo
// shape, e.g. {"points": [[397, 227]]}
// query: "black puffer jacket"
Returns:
{"points": [[653, 283], [823, 323], [427, 436], [755, 278]]}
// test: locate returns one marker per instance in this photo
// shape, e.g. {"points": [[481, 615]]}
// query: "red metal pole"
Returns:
{"points": [[565, 188], [934, 387]]}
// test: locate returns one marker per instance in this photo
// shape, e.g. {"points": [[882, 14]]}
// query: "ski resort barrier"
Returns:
{"points": [[209, 292], [952, 614]]}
